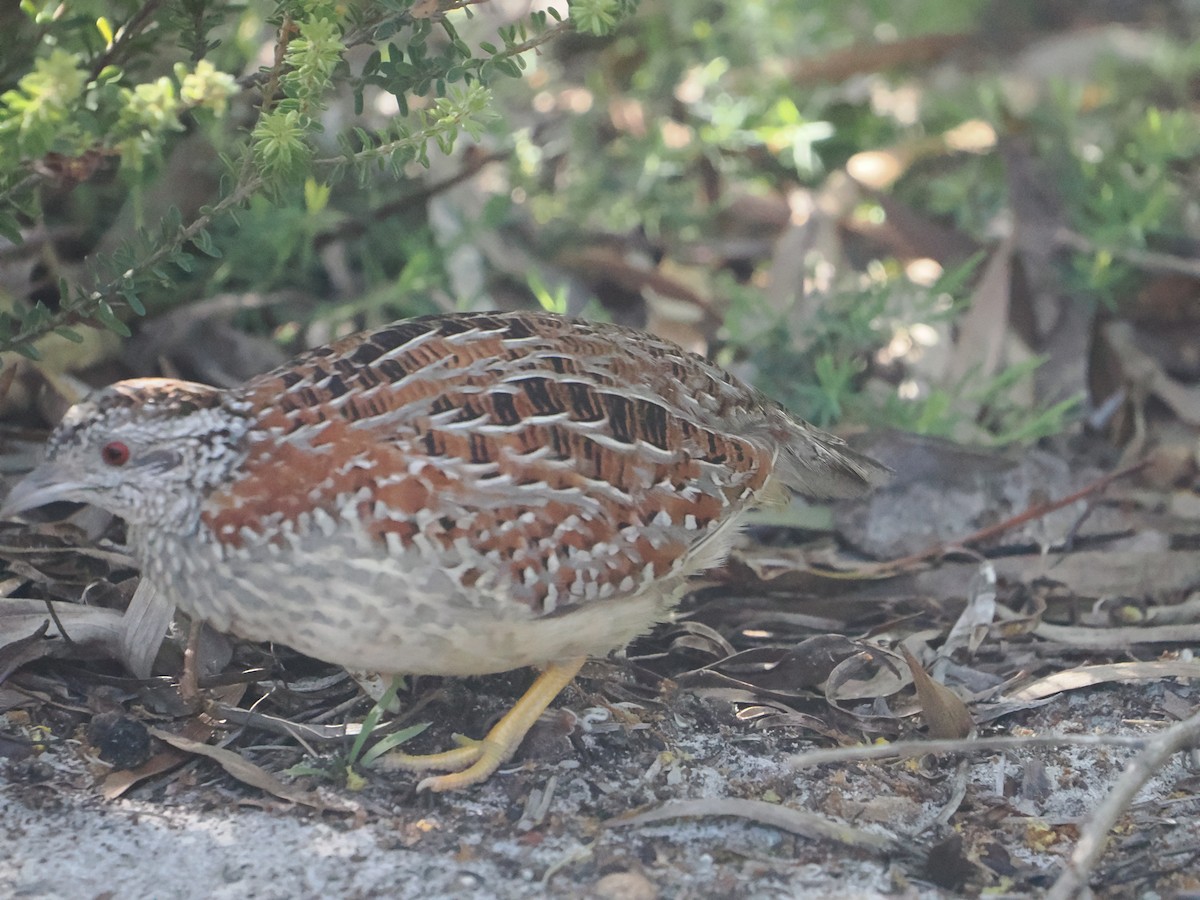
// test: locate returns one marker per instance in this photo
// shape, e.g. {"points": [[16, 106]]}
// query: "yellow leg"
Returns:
{"points": [[476, 760], [467, 751]]}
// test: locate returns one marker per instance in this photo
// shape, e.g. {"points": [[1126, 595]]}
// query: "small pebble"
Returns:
{"points": [[624, 886]]}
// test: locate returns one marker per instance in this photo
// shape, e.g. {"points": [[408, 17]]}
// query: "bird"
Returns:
{"points": [[456, 495]]}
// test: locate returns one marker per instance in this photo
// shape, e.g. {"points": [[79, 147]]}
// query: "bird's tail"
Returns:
{"points": [[821, 465]]}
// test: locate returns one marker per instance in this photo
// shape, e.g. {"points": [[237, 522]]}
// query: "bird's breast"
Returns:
{"points": [[390, 613]]}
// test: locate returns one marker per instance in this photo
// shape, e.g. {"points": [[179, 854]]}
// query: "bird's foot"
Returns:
{"points": [[474, 761]]}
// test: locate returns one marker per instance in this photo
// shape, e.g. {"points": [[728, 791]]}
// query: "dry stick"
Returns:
{"points": [[946, 813], [62, 632], [1092, 839], [1031, 513], [189, 679], [907, 749]]}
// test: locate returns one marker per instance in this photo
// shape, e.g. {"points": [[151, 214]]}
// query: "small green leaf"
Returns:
{"points": [[371, 722], [104, 314], [204, 243], [133, 301], [391, 742]]}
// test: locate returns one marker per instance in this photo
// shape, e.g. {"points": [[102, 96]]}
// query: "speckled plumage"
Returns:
{"points": [[448, 495]]}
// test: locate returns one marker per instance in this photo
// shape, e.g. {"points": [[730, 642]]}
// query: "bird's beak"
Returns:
{"points": [[48, 483]]}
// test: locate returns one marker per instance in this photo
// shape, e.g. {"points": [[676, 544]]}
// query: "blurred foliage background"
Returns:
{"points": [[975, 219]]}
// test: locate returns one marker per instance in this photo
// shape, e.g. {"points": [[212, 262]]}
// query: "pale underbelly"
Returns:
{"points": [[398, 615]]}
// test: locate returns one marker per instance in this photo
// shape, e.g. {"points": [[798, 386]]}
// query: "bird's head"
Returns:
{"points": [[143, 449]]}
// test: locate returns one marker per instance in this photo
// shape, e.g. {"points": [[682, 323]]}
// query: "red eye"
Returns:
{"points": [[115, 453]]}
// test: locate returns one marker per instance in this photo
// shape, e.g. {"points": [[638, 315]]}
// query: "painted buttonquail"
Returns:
{"points": [[450, 495]]}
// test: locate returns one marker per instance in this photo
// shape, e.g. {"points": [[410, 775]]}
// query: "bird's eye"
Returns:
{"points": [[115, 453]]}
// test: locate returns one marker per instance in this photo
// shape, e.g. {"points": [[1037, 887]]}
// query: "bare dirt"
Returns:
{"points": [[201, 833]]}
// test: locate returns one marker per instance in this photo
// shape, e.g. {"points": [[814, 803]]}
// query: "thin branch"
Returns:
{"points": [[910, 749], [414, 141], [536, 41]]}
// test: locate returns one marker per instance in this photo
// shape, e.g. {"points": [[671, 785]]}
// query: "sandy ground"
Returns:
{"points": [[67, 843], [201, 834]]}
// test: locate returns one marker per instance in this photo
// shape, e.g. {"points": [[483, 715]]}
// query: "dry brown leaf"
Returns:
{"points": [[982, 329], [133, 637], [705, 638], [855, 679], [1089, 676], [91, 629], [18, 652], [302, 732], [253, 775], [944, 712], [143, 628], [1117, 638], [972, 626]]}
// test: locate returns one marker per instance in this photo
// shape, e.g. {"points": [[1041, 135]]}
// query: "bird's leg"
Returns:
{"points": [[474, 761]]}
